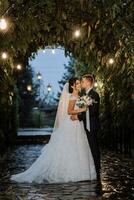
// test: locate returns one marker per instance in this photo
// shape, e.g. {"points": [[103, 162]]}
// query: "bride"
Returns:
{"points": [[67, 157]]}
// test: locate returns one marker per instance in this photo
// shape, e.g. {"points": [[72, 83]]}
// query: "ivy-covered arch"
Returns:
{"points": [[104, 26], [106, 31]]}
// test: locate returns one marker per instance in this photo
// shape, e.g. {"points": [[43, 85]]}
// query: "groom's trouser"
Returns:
{"points": [[94, 146]]}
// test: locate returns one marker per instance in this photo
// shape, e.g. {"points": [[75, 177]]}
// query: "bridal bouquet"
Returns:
{"points": [[85, 101]]}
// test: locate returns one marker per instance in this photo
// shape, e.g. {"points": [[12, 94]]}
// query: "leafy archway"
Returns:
{"points": [[106, 27], [106, 31]]}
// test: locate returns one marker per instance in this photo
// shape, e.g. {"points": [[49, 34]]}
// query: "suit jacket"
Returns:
{"points": [[93, 112]]}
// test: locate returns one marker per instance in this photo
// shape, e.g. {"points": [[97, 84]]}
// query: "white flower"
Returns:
{"points": [[85, 101]]}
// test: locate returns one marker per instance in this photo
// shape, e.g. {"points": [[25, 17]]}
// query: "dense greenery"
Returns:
{"points": [[8, 107], [106, 31]]}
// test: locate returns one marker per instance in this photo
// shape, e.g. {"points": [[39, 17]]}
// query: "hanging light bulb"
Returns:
{"points": [[77, 33], [19, 67], [111, 61], [95, 84], [3, 24], [29, 88], [4, 55]]}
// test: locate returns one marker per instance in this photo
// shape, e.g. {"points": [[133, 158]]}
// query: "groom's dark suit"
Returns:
{"points": [[94, 127]]}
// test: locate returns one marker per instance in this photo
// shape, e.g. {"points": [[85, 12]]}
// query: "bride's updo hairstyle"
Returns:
{"points": [[72, 81]]}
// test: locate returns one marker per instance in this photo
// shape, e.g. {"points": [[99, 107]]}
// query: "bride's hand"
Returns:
{"points": [[84, 109]]}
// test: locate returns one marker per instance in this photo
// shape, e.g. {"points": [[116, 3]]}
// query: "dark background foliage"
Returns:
{"points": [[106, 31]]}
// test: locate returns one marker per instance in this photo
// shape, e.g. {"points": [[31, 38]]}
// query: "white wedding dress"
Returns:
{"points": [[67, 157]]}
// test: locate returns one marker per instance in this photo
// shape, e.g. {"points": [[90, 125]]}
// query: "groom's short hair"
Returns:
{"points": [[89, 77]]}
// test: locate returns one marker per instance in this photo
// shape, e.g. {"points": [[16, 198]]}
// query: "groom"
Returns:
{"points": [[91, 120]]}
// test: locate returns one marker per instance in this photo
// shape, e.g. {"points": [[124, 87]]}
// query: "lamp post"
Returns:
{"points": [[39, 77], [49, 88]]}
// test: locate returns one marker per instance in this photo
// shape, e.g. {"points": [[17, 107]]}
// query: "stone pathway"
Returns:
{"points": [[117, 179]]}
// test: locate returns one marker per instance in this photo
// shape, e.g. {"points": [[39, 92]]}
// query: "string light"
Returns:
{"points": [[19, 67], [77, 33], [53, 51], [95, 84], [3, 24], [29, 88], [111, 61], [4, 55]]}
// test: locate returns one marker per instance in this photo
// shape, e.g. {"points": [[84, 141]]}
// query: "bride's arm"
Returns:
{"points": [[72, 111]]}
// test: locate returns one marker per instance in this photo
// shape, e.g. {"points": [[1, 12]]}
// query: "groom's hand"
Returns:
{"points": [[73, 117]]}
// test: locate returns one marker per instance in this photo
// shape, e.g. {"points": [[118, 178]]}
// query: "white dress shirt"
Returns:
{"points": [[87, 113]]}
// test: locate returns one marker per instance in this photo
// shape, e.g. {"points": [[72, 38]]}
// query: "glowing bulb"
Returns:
{"points": [[77, 33], [49, 88], [4, 55], [53, 51], [44, 51], [39, 77], [101, 85], [19, 67], [3, 24], [95, 84], [29, 88], [111, 61]]}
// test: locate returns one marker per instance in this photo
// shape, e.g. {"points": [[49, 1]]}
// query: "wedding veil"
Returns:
{"points": [[62, 107]]}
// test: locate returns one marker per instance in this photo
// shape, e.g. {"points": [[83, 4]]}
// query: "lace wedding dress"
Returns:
{"points": [[67, 157]]}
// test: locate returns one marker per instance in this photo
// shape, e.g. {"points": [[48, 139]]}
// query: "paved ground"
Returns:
{"points": [[117, 179]]}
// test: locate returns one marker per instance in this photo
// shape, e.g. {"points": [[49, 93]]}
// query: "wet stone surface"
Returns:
{"points": [[117, 180]]}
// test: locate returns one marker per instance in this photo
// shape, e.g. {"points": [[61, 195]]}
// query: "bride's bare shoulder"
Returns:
{"points": [[73, 97]]}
